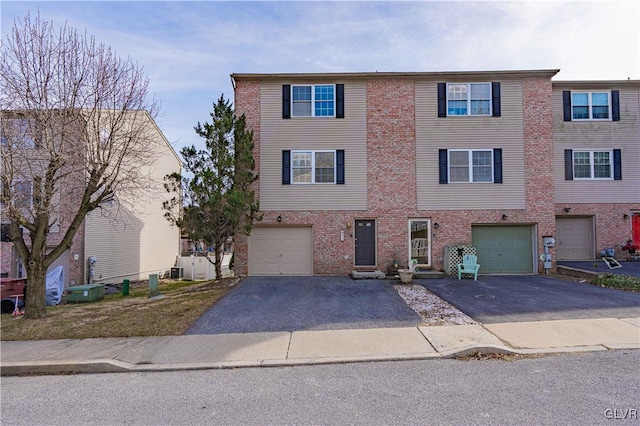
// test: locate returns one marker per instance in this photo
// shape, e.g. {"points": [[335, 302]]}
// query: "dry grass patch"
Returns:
{"points": [[179, 305]]}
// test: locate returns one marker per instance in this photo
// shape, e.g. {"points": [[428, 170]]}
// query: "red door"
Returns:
{"points": [[635, 228]]}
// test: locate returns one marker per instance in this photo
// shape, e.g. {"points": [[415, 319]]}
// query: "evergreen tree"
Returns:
{"points": [[217, 196]]}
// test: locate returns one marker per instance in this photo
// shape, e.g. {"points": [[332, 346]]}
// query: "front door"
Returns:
{"points": [[635, 228], [365, 243]]}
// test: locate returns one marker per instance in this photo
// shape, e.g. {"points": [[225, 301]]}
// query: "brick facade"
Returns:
{"points": [[538, 151], [247, 102], [64, 213], [391, 156]]}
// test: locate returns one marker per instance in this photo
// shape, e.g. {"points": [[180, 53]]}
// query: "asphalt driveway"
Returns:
{"points": [[262, 304], [626, 267], [498, 299]]}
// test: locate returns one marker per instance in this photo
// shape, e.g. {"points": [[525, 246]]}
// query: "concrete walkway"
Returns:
{"points": [[190, 352]]}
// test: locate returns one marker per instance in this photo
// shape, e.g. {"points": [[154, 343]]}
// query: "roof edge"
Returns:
{"points": [[593, 82], [376, 74]]}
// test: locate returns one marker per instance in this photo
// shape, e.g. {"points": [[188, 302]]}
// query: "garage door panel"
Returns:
{"points": [[574, 238], [281, 250], [504, 249]]}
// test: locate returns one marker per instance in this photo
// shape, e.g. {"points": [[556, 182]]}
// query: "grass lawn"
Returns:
{"points": [[179, 305]]}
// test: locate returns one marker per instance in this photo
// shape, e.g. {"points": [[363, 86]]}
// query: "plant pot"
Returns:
{"points": [[405, 275]]}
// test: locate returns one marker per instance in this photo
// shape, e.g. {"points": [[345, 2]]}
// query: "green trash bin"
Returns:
{"points": [[125, 287], [153, 285]]}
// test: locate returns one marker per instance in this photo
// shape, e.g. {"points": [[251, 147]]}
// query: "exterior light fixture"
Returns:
{"points": [[436, 225], [625, 216], [504, 217], [279, 218], [567, 209]]}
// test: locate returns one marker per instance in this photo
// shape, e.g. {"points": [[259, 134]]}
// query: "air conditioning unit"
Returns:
{"points": [[177, 273]]}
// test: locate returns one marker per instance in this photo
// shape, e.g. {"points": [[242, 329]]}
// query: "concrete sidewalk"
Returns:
{"points": [[190, 352]]}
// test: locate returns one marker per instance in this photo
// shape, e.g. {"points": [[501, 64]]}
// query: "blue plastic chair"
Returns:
{"points": [[469, 265]]}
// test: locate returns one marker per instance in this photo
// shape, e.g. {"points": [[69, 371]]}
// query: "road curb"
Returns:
{"points": [[115, 366], [64, 367]]}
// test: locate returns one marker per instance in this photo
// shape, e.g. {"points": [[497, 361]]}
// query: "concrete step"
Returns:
{"points": [[360, 275], [422, 275], [428, 275]]}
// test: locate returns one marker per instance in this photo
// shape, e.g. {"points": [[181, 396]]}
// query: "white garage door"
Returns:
{"points": [[574, 238], [281, 250]]}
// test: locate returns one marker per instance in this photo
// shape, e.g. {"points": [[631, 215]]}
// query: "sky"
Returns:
{"points": [[189, 48]]}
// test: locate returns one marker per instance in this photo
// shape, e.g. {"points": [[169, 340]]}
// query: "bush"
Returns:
{"points": [[621, 282]]}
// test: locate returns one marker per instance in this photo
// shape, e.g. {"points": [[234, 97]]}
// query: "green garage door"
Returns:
{"points": [[504, 249]]}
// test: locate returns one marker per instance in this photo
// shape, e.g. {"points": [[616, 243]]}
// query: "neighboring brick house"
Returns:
{"points": [[596, 133], [127, 242]]}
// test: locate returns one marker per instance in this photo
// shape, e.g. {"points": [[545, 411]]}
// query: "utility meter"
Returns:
{"points": [[549, 241]]}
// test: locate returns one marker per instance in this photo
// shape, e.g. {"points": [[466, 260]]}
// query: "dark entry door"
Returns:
{"points": [[365, 243]]}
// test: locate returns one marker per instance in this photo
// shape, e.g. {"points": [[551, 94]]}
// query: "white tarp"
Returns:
{"points": [[55, 286]]}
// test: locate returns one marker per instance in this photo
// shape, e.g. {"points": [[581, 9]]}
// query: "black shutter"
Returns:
{"points": [[617, 164], [286, 167], [442, 100], [497, 165], [340, 167], [286, 101], [566, 105], [495, 98], [443, 166], [568, 164], [339, 100], [615, 105]]}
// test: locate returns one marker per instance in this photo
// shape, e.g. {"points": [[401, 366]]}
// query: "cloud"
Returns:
{"points": [[189, 49]]}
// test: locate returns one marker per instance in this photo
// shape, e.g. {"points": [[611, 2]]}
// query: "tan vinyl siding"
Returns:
{"points": [[313, 133], [594, 136], [135, 242], [433, 133]]}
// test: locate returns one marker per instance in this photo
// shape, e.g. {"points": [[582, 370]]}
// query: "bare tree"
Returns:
{"points": [[76, 128]]}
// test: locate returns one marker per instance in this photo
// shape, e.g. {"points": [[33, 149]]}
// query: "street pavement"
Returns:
{"points": [[383, 334]]}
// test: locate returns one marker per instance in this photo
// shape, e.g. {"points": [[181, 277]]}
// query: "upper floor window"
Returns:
{"points": [[19, 194], [592, 165], [470, 166], [313, 101], [590, 105], [313, 166], [584, 105], [300, 167], [469, 99], [18, 132]]}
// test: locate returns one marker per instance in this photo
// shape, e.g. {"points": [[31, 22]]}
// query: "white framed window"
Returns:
{"points": [[590, 106], [313, 100], [592, 165], [22, 194], [468, 99], [18, 132], [470, 165], [313, 167]]}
